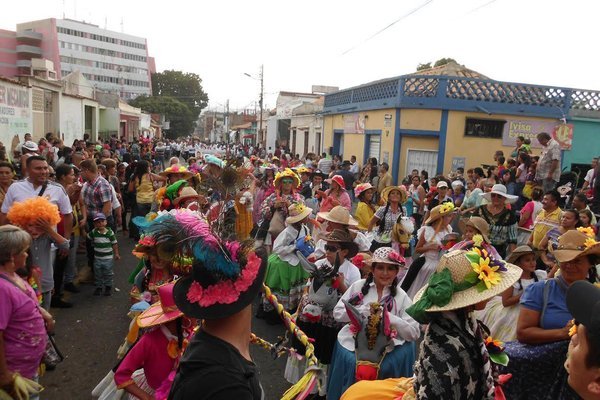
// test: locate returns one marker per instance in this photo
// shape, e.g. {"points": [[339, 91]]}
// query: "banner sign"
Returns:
{"points": [[15, 111], [354, 123], [526, 128]]}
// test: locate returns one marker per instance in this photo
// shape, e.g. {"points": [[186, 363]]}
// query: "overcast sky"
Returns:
{"points": [[335, 42]]}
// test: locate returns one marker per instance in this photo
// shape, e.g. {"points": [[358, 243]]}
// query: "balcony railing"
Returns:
{"points": [[29, 36]]}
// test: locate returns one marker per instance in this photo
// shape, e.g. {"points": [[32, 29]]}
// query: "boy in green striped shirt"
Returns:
{"points": [[105, 250]]}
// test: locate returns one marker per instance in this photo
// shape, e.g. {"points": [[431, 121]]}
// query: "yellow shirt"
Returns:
{"points": [[363, 215], [543, 223], [144, 191]]}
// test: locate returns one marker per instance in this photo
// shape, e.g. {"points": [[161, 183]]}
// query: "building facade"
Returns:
{"points": [[110, 61]]}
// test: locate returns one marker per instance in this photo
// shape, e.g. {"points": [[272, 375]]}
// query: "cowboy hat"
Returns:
{"points": [[440, 211], [386, 255], [360, 189], [339, 215], [186, 193], [297, 212], [286, 173], [319, 173], [500, 189], [163, 310], [337, 179], [481, 226], [177, 169], [457, 283], [386, 192], [343, 236], [573, 244], [519, 252]]}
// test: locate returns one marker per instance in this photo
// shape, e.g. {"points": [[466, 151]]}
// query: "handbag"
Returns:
{"points": [[52, 355], [277, 224]]}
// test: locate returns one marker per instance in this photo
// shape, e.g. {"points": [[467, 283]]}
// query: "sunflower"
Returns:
{"points": [[486, 273], [446, 208], [478, 240], [589, 242], [589, 232]]}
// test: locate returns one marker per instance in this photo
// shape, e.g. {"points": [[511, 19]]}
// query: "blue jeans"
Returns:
{"points": [[103, 272]]}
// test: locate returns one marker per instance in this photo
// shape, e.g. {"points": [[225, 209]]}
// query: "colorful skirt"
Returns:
{"points": [[286, 282], [396, 364], [502, 321], [538, 372]]}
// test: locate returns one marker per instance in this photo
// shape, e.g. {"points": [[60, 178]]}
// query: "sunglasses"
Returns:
{"points": [[287, 181], [332, 249]]}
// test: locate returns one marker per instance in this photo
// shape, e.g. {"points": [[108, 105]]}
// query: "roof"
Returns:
{"points": [[451, 69]]}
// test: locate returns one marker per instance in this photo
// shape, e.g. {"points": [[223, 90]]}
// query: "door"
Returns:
{"points": [[337, 143], [373, 147], [305, 143], [421, 160]]}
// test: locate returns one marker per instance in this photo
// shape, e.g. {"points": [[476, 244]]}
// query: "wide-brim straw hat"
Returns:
{"points": [[177, 169], [459, 266], [386, 255], [520, 252], [186, 193], [360, 189], [297, 212], [501, 190], [480, 225], [162, 311], [440, 211], [339, 215], [386, 192], [573, 244]]}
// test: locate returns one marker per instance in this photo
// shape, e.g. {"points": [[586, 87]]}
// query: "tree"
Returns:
{"points": [[178, 113], [443, 61], [185, 87], [422, 66]]}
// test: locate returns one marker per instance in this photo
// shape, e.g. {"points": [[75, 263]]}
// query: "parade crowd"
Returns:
{"points": [[475, 284]]}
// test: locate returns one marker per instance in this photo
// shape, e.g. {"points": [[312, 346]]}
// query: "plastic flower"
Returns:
{"points": [[478, 240], [394, 256], [446, 208], [493, 345], [194, 294], [587, 231], [589, 242], [486, 273]]}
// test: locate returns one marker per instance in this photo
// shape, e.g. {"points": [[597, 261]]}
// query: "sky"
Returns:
{"points": [[344, 43]]}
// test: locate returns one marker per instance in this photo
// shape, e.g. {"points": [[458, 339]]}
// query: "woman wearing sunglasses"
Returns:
{"points": [[502, 220]]}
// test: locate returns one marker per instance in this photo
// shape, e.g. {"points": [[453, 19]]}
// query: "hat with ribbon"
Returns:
{"points": [[286, 173], [318, 172], [214, 160], [462, 279], [297, 212], [481, 226], [343, 236], [339, 215], [162, 311], [575, 243], [30, 146]]}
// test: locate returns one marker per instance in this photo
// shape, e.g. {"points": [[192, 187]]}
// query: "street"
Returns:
{"points": [[90, 333]]}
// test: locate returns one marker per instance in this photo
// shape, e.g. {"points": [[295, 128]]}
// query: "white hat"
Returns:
{"points": [[457, 183], [29, 145], [441, 184], [501, 190]]}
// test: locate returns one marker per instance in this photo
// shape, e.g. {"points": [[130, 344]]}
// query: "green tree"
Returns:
{"points": [[423, 66], [186, 87], [443, 61], [181, 118]]}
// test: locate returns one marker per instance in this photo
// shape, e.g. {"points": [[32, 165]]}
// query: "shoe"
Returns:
{"points": [[107, 291], [70, 287], [98, 291], [60, 303]]}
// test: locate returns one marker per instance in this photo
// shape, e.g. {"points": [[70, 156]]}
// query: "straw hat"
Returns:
{"points": [[343, 236], [360, 260], [440, 211], [501, 190], [339, 215], [186, 193], [297, 212], [459, 264], [386, 192], [286, 173], [337, 179], [177, 169], [519, 252], [162, 311], [481, 226], [386, 255], [573, 244], [360, 189]]}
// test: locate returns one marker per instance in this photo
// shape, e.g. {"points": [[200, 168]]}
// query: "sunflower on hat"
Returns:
{"points": [[286, 173]]}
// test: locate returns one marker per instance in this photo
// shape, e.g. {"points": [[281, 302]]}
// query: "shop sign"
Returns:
{"points": [[526, 128], [15, 111], [354, 123], [563, 134]]}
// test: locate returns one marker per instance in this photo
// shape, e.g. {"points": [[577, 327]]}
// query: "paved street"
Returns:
{"points": [[90, 333]]}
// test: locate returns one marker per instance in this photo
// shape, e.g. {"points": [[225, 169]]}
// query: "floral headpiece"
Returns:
{"points": [[286, 173], [447, 208], [589, 232]]}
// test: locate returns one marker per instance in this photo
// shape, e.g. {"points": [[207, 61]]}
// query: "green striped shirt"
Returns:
{"points": [[103, 243]]}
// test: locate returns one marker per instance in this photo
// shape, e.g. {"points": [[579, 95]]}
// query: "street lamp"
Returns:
{"points": [[260, 101]]}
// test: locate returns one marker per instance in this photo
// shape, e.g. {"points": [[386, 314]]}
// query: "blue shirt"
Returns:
{"points": [[557, 315]]}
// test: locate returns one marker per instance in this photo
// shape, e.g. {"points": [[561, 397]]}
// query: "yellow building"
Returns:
{"points": [[439, 122]]}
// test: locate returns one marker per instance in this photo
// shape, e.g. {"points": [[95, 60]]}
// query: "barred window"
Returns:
{"points": [[484, 128]]}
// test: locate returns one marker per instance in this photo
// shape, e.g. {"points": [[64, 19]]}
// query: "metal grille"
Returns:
{"points": [[37, 100], [421, 87], [585, 100], [338, 99], [376, 91]]}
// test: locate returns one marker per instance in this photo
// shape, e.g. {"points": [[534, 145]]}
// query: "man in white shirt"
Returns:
{"points": [[324, 164], [354, 167], [589, 176]]}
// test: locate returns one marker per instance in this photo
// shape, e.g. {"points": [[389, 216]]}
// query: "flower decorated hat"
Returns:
{"points": [[440, 211], [360, 189], [386, 255], [297, 212], [575, 243], [462, 279], [286, 173], [163, 310], [177, 169]]}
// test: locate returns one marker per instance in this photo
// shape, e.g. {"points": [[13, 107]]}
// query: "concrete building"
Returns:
{"points": [[445, 118], [16, 118], [111, 61], [306, 127]]}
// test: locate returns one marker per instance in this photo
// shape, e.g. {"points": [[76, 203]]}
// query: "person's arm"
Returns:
{"points": [[131, 186], [107, 208], [406, 327], [373, 222], [60, 241], [529, 331], [158, 177], [6, 376], [508, 299], [525, 214], [553, 168], [339, 311], [68, 224], [423, 246]]}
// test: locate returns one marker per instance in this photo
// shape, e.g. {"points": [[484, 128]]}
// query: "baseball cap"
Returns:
{"points": [[583, 302], [99, 216], [441, 184]]}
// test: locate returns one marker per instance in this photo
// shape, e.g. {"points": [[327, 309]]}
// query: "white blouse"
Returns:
{"points": [[350, 271], [405, 325], [285, 244]]}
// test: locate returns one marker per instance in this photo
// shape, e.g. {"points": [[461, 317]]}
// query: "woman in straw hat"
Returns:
{"points": [[175, 173], [386, 216], [430, 235], [284, 276], [502, 312], [339, 218], [379, 287], [157, 352], [501, 219], [365, 208], [544, 322], [336, 195]]}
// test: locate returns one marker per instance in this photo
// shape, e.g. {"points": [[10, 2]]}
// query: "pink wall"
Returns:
{"points": [[49, 43], [8, 44]]}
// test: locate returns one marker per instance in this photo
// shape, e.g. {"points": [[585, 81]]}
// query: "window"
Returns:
{"points": [[484, 128]]}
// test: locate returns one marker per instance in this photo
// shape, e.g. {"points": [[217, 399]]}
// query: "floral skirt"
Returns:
{"points": [[286, 282]]}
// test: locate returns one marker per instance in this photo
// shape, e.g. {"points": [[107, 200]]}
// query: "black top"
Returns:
{"points": [[348, 178], [213, 369]]}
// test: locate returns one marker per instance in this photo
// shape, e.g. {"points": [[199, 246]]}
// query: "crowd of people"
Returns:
{"points": [[477, 266]]}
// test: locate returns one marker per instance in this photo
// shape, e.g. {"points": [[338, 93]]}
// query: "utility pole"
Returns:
{"points": [[226, 123], [260, 124]]}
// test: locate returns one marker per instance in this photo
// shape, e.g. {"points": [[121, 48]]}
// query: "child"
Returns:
{"points": [[105, 249], [585, 219]]}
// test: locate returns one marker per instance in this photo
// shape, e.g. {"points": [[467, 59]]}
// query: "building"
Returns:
{"points": [[445, 118], [110, 61], [16, 118], [306, 128]]}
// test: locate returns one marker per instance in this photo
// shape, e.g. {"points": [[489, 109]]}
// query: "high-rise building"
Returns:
{"points": [[111, 61]]}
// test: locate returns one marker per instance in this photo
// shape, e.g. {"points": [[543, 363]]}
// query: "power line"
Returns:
{"points": [[390, 25]]}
